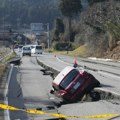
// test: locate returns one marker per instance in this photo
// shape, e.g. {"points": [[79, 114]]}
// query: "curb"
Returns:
{"points": [[47, 67]]}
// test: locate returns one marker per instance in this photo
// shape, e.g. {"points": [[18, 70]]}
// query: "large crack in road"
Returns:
{"points": [[104, 94]]}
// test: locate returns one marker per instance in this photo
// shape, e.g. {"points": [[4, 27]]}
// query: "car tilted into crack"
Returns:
{"points": [[71, 84]]}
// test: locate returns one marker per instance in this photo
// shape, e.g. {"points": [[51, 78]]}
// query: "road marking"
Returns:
{"points": [[63, 61], [109, 74], [6, 113], [32, 111]]}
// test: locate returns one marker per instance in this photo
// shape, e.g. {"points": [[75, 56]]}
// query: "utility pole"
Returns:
{"points": [[4, 22], [48, 35]]}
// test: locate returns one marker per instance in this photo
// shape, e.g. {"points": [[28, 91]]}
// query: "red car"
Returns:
{"points": [[71, 84]]}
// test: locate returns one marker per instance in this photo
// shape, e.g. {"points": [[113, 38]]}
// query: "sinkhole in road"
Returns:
{"points": [[101, 95]]}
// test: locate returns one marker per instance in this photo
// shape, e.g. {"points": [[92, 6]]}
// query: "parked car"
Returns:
{"points": [[37, 49], [71, 84], [26, 50], [16, 46], [20, 48]]}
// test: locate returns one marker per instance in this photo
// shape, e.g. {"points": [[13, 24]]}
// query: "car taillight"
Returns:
{"points": [[61, 93]]}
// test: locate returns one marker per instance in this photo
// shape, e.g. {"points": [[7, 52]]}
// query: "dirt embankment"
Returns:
{"points": [[99, 29], [114, 54], [4, 70]]}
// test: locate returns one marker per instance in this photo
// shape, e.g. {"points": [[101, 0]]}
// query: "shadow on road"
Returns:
{"points": [[15, 97], [104, 85]]}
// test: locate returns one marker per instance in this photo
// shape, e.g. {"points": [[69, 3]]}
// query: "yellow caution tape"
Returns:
{"points": [[6, 107], [35, 112], [96, 116], [58, 115]]}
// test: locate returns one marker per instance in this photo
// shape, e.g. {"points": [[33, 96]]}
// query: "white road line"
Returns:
{"points": [[109, 74], [6, 112], [63, 61]]}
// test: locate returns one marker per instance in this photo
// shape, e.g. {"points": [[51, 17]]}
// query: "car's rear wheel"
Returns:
{"points": [[92, 96], [52, 91]]}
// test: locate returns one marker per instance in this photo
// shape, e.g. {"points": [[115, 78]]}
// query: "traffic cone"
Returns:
{"points": [[75, 63]]}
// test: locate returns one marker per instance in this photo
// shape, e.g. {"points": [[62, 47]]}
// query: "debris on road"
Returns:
{"points": [[47, 72]]}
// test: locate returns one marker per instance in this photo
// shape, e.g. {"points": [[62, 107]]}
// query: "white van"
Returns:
{"points": [[37, 49]]}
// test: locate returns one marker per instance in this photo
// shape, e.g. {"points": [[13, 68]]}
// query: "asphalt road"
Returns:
{"points": [[29, 89], [15, 96]]}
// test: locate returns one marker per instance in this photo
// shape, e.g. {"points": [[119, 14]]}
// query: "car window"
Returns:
{"points": [[20, 46], [38, 47], [69, 78], [32, 47], [26, 48]]}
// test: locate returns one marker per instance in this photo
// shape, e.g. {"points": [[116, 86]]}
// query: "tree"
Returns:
{"points": [[91, 2], [59, 25], [70, 8], [59, 28]]}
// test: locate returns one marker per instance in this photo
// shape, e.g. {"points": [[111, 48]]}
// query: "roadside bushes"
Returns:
{"points": [[2, 70], [63, 46]]}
